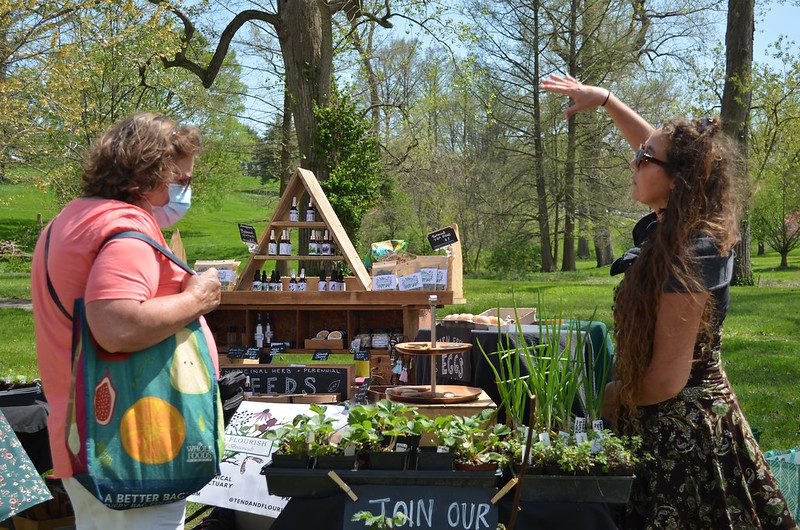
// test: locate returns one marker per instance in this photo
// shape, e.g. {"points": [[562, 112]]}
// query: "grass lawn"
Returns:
{"points": [[761, 346]]}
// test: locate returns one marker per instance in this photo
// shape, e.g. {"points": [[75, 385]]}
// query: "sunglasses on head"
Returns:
{"points": [[642, 157]]}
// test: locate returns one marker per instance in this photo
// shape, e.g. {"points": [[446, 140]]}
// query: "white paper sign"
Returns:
{"points": [[384, 282], [240, 485], [411, 282]]}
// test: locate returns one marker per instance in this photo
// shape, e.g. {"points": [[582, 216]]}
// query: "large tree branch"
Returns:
{"points": [[208, 74], [353, 10]]}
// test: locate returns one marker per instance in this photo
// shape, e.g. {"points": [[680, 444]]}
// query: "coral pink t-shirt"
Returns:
{"points": [[126, 269]]}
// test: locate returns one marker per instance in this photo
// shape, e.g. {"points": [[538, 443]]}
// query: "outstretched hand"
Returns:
{"points": [[583, 96]]}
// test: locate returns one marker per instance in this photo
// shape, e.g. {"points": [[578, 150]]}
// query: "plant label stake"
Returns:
{"points": [[432, 301]]}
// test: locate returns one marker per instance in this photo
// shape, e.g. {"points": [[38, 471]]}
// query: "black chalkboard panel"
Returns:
{"points": [[247, 233], [290, 379], [442, 238], [361, 355], [428, 508]]}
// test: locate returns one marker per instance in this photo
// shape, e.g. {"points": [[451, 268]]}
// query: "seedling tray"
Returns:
{"points": [[594, 488], [288, 482]]}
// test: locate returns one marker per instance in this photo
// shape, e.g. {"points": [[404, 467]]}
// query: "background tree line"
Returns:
{"points": [[415, 113]]}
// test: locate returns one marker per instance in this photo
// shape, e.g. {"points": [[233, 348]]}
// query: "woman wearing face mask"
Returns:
{"points": [[137, 177], [670, 388]]}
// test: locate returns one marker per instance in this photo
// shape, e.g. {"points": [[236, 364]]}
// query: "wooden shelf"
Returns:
{"points": [[267, 257], [376, 351], [298, 224], [309, 299]]}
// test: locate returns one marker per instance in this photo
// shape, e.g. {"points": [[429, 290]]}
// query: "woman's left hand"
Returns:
{"points": [[583, 96]]}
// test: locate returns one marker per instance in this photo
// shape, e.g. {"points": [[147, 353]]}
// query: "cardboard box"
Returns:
{"points": [[326, 344], [62, 523]]}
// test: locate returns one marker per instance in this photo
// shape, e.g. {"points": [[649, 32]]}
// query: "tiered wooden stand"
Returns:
{"points": [[296, 316]]}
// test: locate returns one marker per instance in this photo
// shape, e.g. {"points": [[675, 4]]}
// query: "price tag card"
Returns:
{"points": [[252, 353], [361, 395], [442, 238], [321, 355], [248, 234], [236, 352], [362, 355]]}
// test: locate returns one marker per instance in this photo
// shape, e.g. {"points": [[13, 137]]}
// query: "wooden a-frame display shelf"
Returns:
{"points": [[302, 182], [296, 316]]}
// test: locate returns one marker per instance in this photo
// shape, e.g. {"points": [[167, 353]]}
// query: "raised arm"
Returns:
{"points": [[633, 127]]}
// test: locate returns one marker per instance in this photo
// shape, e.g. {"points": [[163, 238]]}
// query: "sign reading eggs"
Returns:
{"points": [[187, 373]]}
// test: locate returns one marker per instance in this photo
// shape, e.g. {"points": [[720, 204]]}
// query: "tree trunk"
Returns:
{"points": [[583, 248], [305, 35], [568, 259], [603, 249], [4, 53], [784, 260], [761, 248], [735, 112], [286, 140], [548, 265]]}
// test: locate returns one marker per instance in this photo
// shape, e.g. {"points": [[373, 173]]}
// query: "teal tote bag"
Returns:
{"points": [[143, 428]]}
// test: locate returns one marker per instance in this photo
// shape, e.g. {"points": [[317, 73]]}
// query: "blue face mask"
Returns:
{"points": [[180, 199]]}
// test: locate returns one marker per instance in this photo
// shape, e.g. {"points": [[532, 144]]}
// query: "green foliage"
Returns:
{"points": [[380, 522], [475, 439], [381, 424], [514, 259], [352, 157]]}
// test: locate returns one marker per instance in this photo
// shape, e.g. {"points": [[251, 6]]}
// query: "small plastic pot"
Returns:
{"points": [[428, 459], [291, 461]]}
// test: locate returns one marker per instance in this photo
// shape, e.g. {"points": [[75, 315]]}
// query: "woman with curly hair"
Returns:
{"points": [[707, 470], [136, 177]]}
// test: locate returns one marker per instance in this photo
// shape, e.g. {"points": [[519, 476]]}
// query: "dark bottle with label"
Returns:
{"points": [[342, 283], [302, 283], [311, 213], [257, 281], [264, 281], [293, 283], [322, 285], [272, 246], [313, 246], [333, 284], [294, 215]]}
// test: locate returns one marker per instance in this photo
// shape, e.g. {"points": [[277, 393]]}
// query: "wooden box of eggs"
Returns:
{"points": [[468, 320], [491, 318]]}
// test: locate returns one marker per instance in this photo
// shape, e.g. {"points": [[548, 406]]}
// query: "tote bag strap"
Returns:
{"points": [[129, 234]]}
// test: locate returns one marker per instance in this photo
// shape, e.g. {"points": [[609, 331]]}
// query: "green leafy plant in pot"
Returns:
{"points": [[476, 443]]}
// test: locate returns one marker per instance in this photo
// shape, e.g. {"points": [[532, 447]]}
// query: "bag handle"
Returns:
{"points": [[128, 234]]}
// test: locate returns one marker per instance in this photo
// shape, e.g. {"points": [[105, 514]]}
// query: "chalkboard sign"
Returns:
{"points": [[361, 355], [450, 368], [442, 238], [321, 355], [252, 353], [361, 395], [290, 379], [426, 507], [236, 352], [247, 233]]}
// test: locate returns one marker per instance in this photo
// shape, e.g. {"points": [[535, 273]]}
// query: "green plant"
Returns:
{"points": [[378, 426], [620, 454], [474, 439], [575, 459], [305, 434], [380, 522]]}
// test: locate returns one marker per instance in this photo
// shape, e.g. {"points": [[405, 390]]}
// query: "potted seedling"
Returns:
{"points": [[437, 457], [378, 428], [293, 443], [476, 443]]}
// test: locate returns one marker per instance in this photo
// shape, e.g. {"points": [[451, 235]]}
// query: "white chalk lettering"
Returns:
{"points": [[383, 504], [291, 385], [311, 384], [480, 521]]}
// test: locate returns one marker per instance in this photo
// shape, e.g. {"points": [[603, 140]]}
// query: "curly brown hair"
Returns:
{"points": [[136, 155], [702, 163]]}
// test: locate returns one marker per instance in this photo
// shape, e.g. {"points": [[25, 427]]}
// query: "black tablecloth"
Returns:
{"points": [[326, 514], [29, 423]]}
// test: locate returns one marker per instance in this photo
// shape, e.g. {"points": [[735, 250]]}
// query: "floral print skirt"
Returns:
{"points": [[707, 470], [20, 485]]}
